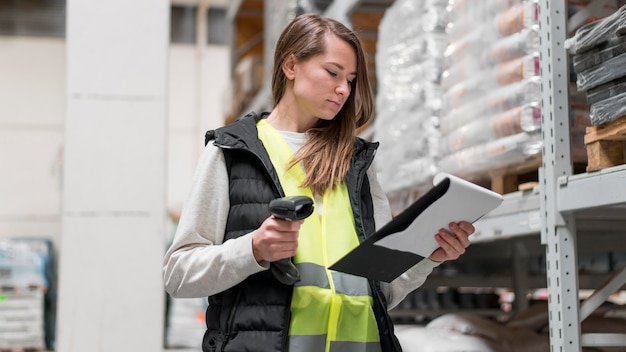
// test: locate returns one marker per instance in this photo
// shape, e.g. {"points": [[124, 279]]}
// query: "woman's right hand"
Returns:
{"points": [[275, 239]]}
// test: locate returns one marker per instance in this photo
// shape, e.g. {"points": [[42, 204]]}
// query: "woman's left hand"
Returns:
{"points": [[453, 242]]}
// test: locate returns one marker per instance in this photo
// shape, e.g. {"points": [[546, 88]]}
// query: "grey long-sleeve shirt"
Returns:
{"points": [[199, 263]]}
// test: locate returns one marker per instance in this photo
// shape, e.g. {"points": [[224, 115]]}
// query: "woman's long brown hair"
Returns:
{"points": [[327, 153]]}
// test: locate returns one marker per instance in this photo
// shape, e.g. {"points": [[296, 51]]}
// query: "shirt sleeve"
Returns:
{"points": [[415, 276], [198, 263]]}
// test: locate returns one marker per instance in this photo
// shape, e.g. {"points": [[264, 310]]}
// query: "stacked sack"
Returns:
{"points": [[491, 104], [409, 56], [492, 88], [599, 59]]}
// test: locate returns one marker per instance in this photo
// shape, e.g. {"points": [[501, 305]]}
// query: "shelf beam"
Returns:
{"points": [[603, 340], [518, 215], [589, 190]]}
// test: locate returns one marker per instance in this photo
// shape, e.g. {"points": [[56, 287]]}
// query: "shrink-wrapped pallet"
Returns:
{"points": [[409, 56], [599, 58], [492, 89]]}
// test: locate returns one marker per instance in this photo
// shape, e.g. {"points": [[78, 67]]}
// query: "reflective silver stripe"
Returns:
{"points": [[312, 275], [351, 285], [315, 275], [317, 343], [339, 346], [307, 343]]}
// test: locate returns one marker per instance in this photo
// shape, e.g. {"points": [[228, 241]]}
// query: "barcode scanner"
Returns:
{"points": [[292, 208]]}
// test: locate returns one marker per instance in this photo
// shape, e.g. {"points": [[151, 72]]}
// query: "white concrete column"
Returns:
{"points": [[111, 296]]}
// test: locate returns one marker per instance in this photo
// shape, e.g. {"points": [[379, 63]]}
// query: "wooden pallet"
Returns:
{"points": [[513, 178], [516, 178], [519, 177], [605, 144]]}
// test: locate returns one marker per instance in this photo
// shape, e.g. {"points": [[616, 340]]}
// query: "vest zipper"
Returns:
{"points": [[229, 322]]}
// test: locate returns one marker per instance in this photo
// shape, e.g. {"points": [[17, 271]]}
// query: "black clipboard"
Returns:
{"points": [[409, 237]]}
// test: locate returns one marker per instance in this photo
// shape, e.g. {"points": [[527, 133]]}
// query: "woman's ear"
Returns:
{"points": [[289, 67]]}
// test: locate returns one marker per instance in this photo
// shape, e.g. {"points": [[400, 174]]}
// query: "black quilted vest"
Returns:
{"points": [[254, 315]]}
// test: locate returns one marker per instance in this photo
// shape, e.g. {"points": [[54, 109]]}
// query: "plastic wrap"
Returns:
{"points": [[517, 18], [404, 176], [491, 85], [470, 45], [606, 90], [413, 50], [429, 70], [472, 67], [434, 18], [599, 59], [409, 97], [599, 34], [409, 142], [501, 75], [467, 15], [603, 73], [608, 109], [514, 149], [492, 102], [513, 46], [21, 266], [499, 21], [525, 118], [497, 30], [409, 63], [594, 58]]}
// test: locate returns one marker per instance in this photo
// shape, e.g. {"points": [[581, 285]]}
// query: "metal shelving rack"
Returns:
{"points": [[562, 194], [565, 200]]}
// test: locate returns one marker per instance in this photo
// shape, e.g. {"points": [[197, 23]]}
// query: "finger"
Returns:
{"points": [[287, 236], [284, 250], [450, 242], [287, 225], [461, 234], [445, 251], [467, 227]]}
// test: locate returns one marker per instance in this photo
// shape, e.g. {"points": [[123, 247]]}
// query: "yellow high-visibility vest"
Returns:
{"points": [[330, 311]]}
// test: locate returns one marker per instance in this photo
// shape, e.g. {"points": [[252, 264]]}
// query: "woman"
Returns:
{"points": [[226, 238]]}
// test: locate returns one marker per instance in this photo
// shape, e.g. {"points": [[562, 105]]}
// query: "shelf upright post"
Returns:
{"points": [[558, 232]]}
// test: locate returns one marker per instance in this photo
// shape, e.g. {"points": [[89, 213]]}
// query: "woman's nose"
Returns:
{"points": [[343, 88]]}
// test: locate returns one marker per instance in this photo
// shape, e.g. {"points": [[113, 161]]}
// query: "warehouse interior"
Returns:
{"points": [[105, 106]]}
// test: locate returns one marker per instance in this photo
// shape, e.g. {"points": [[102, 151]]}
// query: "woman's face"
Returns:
{"points": [[321, 84]]}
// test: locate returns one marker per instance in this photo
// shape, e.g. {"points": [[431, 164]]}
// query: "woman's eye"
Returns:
{"points": [[331, 73]]}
